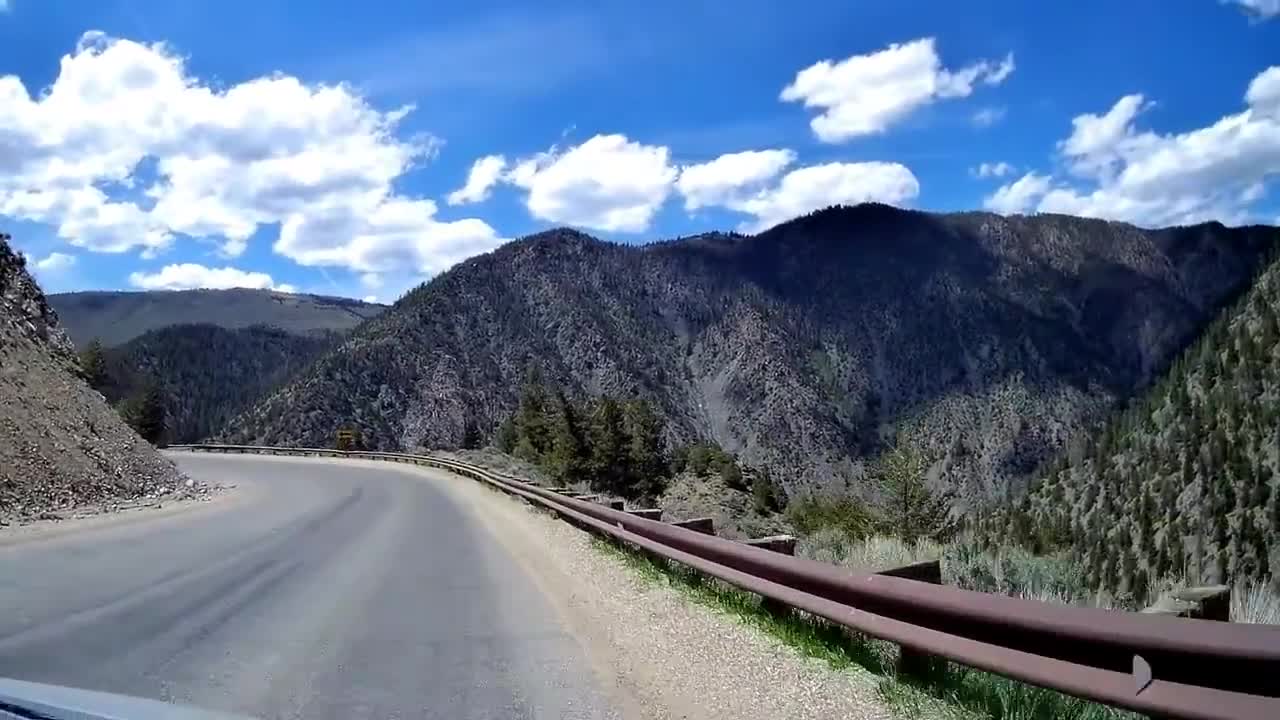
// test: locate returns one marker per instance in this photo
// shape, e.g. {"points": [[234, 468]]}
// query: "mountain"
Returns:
{"points": [[208, 373], [61, 445], [988, 341], [117, 317], [1185, 481]]}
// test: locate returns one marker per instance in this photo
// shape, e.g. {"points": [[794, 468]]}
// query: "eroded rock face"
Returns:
{"points": [[61, 445]]}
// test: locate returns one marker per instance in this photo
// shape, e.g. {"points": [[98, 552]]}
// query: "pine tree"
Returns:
{"points": [[647, 464], [910, 509], [507, 436], [609, 464], [533, 436], [566, 458], [145, 413], [766, 495], [471, 436], [93, 363]]}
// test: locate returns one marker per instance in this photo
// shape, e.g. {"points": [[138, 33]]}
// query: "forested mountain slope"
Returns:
{"points": [[989, 340], [61, 446], [114, 318], [1185, 482], [207, 374]]}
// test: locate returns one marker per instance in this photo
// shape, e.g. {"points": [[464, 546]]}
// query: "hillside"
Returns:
{"points": [[208, 374], [990, 340], [1184, 482], [61, 446], [114, 318]]}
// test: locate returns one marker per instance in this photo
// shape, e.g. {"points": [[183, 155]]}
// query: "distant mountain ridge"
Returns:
{"points": [[114, 317], [988, 340]]}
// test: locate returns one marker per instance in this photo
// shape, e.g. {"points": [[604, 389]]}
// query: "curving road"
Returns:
{"points": [[318, 589]]}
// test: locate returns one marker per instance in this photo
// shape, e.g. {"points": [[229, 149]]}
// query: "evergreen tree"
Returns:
{"points": [[610, 471], [471, 437], [646, 463], [909, 508], [533, 436], [767, 496], [566, 458], [93, 363], [145, 413], [507, 436]]}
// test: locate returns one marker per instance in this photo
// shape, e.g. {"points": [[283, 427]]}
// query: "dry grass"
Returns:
{"points": [[1017, 573], [1255, 602], [878, 552]]}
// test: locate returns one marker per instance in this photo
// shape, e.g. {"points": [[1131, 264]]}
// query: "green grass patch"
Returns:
{"points": [[951, 692]]}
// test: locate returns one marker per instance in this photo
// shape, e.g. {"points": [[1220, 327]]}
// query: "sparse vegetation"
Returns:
{"points": [[956, 692], [907, 511]]}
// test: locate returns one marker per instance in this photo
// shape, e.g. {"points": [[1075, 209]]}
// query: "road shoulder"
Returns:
{"points": [[662, 654]]}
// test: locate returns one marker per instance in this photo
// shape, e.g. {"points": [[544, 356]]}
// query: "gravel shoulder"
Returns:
{"points": [[170, 507], [669, 657]]}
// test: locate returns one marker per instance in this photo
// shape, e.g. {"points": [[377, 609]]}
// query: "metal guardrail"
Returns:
{"points": [[1163, 666]]}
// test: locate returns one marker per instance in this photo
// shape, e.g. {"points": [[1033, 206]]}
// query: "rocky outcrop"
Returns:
{"points": [[61, 445]]}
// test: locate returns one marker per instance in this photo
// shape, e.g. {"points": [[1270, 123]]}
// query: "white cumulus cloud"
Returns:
{"points": [[718, 181], [748, 182], [188, 276], [986, 117], [126, 149], [1018, 196], [866, 94], [55, 262], [1151, 179], [607, 183], [992, 170], [391, 235], [818, 186], [485, 173], [1098, 144], [1263, 95], [1262, 9]]}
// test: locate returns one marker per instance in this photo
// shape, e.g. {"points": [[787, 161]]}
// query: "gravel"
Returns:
{"points": [[672, 657], [61, 446]]}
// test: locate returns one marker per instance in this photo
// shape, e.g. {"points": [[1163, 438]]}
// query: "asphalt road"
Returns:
{"points": [[322, 589]]}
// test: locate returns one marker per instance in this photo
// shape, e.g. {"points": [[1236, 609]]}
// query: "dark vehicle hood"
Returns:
{"points": [[27, 700]]}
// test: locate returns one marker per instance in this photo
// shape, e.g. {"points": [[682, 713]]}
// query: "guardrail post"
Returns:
{"points": [[785, 544], [704, 525], [647, 513], [1211, 602], [913, 662]]}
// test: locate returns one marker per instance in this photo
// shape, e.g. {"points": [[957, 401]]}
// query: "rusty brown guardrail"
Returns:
{"points": [[1164, 666]]}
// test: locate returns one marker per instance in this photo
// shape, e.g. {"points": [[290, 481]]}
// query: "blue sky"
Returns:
{"points": [[358, 148]]}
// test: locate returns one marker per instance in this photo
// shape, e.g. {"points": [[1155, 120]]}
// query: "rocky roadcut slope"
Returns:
{"points": [[61, 446], [990, 340], [115, 318]]}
